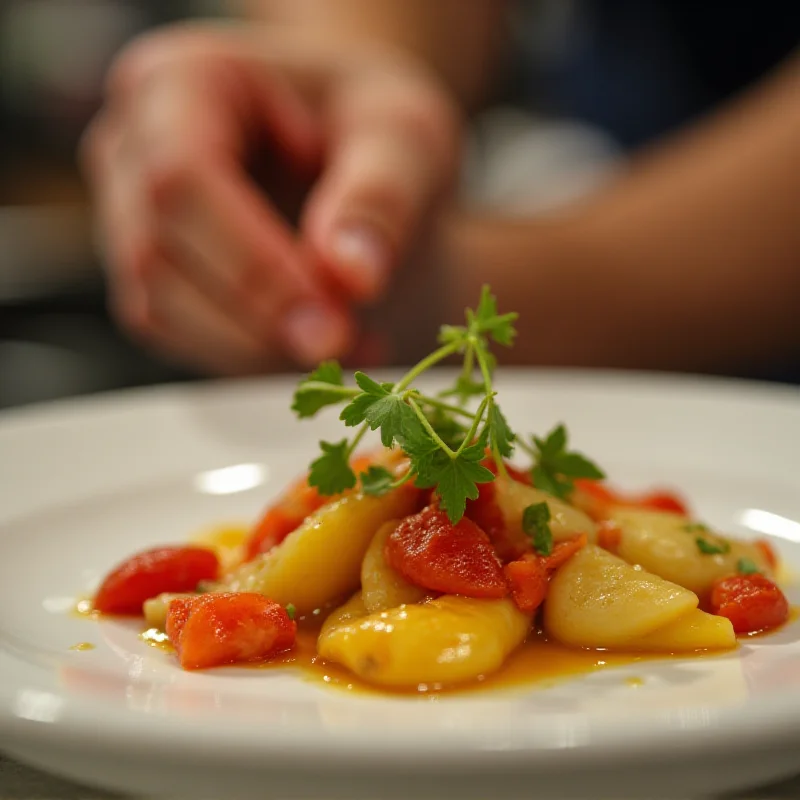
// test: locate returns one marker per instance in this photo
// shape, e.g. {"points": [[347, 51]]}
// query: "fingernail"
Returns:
{"points": [[315, 333], [362, 256]]}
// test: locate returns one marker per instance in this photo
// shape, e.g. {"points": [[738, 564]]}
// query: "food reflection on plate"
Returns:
{"points": [[439, 561]]}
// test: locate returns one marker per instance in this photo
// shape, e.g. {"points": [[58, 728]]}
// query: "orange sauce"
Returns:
{"points": [[84, 609], [539, 661], [82, 646]]}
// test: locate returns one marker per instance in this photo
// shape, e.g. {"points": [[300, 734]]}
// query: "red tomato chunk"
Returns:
{"points": [[215, 630], [752, 603], [147, 574], [430, 552]]}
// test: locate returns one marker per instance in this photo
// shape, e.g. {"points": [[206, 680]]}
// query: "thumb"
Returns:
{"points": [[392, 153]]}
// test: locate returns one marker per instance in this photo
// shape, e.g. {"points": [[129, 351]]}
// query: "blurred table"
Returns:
{"points": [[18, 782]]}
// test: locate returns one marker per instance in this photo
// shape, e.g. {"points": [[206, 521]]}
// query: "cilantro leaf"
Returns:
{"points": [[456, 479], [574, 465], [321, 388], [536, 524], [711, 549], [376, 481], [486, 320], [555, 467], [370, 386], [379, 408], [551, 484], [745, 566], [331, 472], [291, 611], [501, 436]]}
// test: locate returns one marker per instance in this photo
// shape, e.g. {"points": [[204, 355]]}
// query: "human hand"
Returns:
{"points": [[202, 264]]}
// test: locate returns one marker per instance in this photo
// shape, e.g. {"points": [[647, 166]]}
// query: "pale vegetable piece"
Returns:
{"points": [[445, 641], [321, 561], [565, 520], [228, 543], [666, 545], [599, 600], [695, 630], [155, 609], [381, 586]]}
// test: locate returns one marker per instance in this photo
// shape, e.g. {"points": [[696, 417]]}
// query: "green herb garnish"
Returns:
{"points": [[291, 611], [745, 566], [445, 436], [696, 527], [536, 524], [711, 549], [555, 467]]}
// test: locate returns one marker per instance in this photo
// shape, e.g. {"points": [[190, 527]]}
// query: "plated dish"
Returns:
{"points": [[86, 484], [437, 560]]}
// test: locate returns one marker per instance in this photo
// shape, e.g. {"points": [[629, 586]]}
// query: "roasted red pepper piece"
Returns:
{"points": [[147, 574], [430, 552], [752, 603], [528, 576], [215, 630]]}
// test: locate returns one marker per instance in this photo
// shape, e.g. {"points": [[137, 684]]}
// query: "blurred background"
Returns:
{"points": [[56, 338]]}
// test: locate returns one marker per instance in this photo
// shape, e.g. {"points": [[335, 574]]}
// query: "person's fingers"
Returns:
{"points": [[185, 324], [392, 153]]}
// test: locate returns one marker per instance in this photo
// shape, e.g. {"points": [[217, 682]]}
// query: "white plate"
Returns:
{"points": [[86, 483]]}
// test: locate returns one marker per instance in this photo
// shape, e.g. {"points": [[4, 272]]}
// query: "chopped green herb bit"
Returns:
{"points": [[711, 549], [696, 527], [745, 566], [536, 524], [291, 611]]}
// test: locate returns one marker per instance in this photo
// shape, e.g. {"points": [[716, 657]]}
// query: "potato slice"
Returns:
{"points": [[321, 561], [565, 520], [155, 609], [445, 641], [599, 600], [381, 586], [695, 630], [666, 545]]}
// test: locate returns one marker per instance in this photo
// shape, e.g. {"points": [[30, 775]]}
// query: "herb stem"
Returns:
{"points": [[328, 388], [470, 435], [435, 403], [487, 382], [429, 428], [434, 358], [521, 443], [357, 439]]}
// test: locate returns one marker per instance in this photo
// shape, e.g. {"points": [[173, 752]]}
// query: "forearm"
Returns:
{"points": [[426, 28], [690, 261]]}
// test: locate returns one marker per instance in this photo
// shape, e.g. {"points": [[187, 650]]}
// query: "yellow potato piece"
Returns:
{"points": [[446, 641], [666, 545], [599, 600], [565, 520], [155, 609], [381, 586], [321, 561], [695, 630]]}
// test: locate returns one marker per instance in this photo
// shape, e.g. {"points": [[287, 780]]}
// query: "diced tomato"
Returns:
{"points": [[528, 576], [609, 536], [768, 551], [273, 528], [751, 602], [661, 501], [147, 574], [215, 630], [597, 499], [430, 552], [563, 551], [527, 579]]}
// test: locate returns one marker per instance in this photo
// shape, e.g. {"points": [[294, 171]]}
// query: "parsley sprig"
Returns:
{"points": [[444, 436]]}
